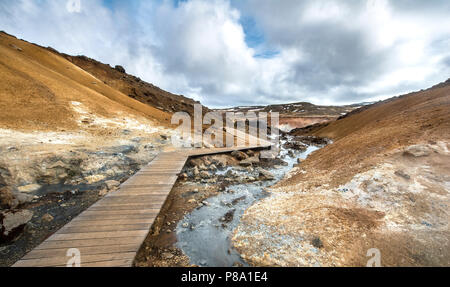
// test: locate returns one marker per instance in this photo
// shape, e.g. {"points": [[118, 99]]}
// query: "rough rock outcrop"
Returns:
{"points": [[12, 223]]}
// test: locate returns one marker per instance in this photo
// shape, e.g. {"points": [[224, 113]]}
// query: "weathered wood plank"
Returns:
{"points": [[62, 260], [62, 252]]}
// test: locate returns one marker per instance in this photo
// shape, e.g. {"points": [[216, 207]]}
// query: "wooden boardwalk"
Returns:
{"points": [[111, 231]]}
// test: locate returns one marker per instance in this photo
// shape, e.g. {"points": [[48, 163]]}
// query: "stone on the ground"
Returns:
{"points": [[204, 174], [7, 199], [12, 222], [245, 163], [230, 173], [316, 242], [219, 161], [266, 174], [295, 145], [23, 198], [47, 218], [103, 192], [29, 188], [110, 184], [239, 155], [401, 173], [249, 161], [166, 255], [195, 171], [417, 151]]}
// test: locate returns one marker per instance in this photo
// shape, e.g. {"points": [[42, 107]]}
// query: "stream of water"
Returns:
{"points": [[204, 234]]}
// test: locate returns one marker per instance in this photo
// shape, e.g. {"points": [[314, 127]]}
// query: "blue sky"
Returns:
{"points": [[248, 52]]}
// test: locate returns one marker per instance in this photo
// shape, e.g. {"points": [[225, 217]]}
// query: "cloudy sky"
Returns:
{"points": [[247, 52]]}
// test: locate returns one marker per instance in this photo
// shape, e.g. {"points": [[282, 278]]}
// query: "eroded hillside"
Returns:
{"points": [[66, 139], [384, 183]]}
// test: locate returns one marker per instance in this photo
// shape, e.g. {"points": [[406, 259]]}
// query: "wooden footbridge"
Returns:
{"points": [[110, 232]]}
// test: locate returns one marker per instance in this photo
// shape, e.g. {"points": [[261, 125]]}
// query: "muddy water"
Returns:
{"points": [[204, 234]]}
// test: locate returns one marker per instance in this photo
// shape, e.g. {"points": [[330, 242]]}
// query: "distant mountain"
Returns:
{"points": [[300, 109]]}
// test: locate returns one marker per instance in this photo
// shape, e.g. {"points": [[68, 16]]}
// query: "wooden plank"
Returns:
{"points": [[62, 252], [50, 244], [118, 216], [91, 212], [110, 263], [80, 222], [97, 235], [107, 207], [103, 228], [62, 260]]}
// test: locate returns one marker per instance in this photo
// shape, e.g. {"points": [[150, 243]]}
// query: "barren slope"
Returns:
{"points": [[384, 183], [37, 87]]}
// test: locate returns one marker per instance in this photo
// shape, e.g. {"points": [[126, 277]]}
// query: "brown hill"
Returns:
{"points": [[383, 127], [37, 88], [383, 186]]}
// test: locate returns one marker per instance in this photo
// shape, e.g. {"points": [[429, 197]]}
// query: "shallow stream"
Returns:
{"points": [[204, 234]]}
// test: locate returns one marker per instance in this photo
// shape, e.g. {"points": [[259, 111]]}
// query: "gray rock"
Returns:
{"points": [[110, 184], [249, 161], [239, 155], [23, 198], [204, 174], [266, 174], [401, 173], [167, 255], [245, 163], [417, 151], [196, 172], [29, 188], [230, 174], [13, 221], [47, 218]]}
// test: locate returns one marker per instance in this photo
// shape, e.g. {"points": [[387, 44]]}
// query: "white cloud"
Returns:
{"points": [[329, 51]]}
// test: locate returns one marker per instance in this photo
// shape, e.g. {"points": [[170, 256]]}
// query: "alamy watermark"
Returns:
{"points": [[227, 129], [73, 6], [375, 260], [74, 255]]}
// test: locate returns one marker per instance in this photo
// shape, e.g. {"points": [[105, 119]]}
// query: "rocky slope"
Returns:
{"points": [[66, 139], [384, 183]]}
